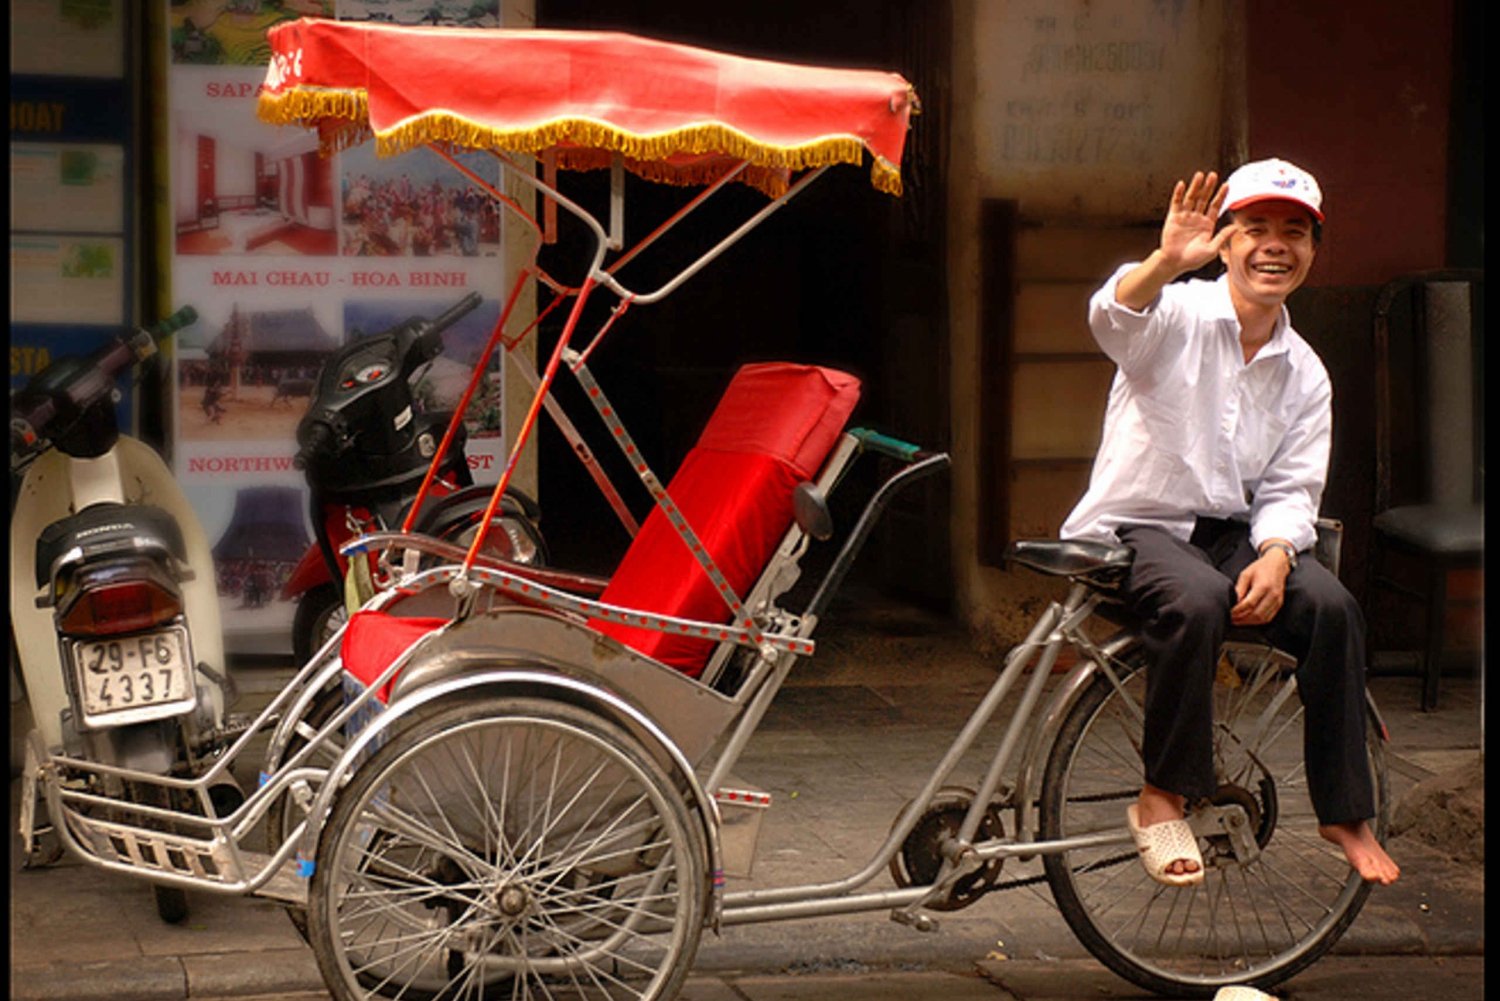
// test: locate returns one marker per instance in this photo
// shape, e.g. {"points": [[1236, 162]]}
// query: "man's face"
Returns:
{"points": [[1270, 252]]}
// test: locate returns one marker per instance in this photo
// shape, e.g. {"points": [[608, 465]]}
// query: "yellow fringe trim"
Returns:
{"points": [[342, 120]]}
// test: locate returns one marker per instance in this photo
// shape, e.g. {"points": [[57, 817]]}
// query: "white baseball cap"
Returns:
{"points": [[1264, 179]]}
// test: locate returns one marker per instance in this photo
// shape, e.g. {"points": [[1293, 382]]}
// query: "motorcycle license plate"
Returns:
{"points": [[141, 676]]}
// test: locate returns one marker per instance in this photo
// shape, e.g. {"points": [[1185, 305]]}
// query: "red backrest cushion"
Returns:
{"points": [[773, 428]]}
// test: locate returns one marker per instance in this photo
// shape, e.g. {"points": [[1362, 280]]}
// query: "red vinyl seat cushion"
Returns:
{"points": [[374, 639], [773, 429]]}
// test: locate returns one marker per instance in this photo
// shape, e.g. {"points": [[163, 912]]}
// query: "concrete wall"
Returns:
{"points": [[1084, 115], [519, 244]]}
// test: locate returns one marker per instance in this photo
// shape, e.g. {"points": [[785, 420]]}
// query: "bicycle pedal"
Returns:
{"points": [[915, 920]]}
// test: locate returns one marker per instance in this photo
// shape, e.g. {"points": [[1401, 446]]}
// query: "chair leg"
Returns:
{"points": [[1437, 608]]}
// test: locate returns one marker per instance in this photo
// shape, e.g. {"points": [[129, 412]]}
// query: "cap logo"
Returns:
{"points": [[1289, 182]]}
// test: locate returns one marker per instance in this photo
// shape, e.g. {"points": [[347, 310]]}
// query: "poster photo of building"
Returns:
{"points": [[260, 546], [246, 368]]}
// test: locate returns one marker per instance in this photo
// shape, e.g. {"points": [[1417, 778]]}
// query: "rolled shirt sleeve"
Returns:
{"points": [[1286, 499], [1128, 337]]}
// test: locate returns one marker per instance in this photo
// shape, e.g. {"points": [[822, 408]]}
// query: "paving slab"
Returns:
{"points": [[1330, 979]]}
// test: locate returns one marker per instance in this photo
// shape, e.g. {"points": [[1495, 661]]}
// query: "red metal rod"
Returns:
{"points": [[463, 403], [489, 188], [530, 422]]}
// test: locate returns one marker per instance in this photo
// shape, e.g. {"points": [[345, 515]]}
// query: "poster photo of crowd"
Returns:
{"points": [[416, 205]]}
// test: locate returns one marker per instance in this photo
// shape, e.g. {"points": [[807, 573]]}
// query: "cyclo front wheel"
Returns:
{"points": [[1256, 920], [509, 847]]}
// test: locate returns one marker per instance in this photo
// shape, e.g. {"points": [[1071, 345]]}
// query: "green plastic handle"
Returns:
{"points": [[874, 441]]}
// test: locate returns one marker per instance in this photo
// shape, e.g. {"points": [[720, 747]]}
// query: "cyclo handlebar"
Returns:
{"points": [[895, 448]]}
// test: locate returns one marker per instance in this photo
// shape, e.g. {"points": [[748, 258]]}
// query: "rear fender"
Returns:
{"points": [[448, 517], [310, 571], [470, 502]]}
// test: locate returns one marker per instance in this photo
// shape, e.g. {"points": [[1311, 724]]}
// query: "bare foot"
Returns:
{"points": [[1362, 850], [1157, 806]]}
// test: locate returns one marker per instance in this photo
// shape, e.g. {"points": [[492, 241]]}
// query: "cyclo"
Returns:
{"points": [[513, 781]]}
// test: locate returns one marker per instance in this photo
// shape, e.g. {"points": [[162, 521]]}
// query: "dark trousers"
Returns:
{"points": [[1182, 592]]}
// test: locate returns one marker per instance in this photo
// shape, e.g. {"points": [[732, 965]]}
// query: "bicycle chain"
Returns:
{"points": [[1020, 881]]}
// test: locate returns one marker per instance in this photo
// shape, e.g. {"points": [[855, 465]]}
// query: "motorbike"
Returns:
{"points": [[365, 446], [113, 605]]}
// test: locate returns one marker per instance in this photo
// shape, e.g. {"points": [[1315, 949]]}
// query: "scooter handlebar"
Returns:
{"points": [[319, 436], [452, 315], [30, 418], [427, 343], [182, 318]]}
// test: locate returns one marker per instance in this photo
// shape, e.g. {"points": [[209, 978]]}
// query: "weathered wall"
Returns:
{"points": [[1092, 110], [1084, 116]]}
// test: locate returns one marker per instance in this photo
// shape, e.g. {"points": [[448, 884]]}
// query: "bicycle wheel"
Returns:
{"points": [[509, 847], [1256, 918]]}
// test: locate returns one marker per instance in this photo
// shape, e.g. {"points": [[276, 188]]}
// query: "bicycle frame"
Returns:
{"points": [[1060, 626]]}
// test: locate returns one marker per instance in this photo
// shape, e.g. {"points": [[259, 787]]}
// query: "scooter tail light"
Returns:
{"points": [[113, 607]]}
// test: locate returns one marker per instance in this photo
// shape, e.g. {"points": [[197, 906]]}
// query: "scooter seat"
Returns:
{"points": [[105, 528]]}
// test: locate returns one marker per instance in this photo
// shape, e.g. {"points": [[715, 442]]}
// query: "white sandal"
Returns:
{"points": [[1243, 993], [1164, 843]]}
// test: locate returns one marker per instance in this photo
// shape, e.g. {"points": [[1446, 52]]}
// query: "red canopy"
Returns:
{"points": [[676, 113]]}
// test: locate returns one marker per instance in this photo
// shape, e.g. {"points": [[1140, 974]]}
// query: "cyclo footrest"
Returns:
{"points": [[213, 863], [210, 861]]}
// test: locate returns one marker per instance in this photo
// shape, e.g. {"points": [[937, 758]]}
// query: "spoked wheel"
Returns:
{"points": [[509, 848], [1275, 895], [320, 613]]}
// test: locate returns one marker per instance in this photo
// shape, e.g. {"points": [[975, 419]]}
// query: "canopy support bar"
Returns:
{"points": [[614, 286], [616, 202]]}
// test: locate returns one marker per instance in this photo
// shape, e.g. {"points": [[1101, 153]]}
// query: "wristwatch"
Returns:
{"points": [[1291, 554]]}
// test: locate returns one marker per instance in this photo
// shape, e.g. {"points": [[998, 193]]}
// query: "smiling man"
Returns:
{"points": [[1211, 469]]}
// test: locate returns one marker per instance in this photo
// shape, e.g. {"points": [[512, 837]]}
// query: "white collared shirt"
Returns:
{"points": [[1191, 429]]}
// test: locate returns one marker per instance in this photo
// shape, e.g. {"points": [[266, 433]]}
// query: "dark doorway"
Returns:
{"points": [[845, 276]]}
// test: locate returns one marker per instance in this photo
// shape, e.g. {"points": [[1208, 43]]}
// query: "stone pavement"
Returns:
{"points": [[846, 743], [1334, 978]]}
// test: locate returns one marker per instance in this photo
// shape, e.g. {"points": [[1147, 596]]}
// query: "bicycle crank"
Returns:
{"points": [[921, 856]]}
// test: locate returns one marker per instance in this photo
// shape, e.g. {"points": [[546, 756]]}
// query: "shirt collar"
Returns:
{"points": [[1221, 307]]}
